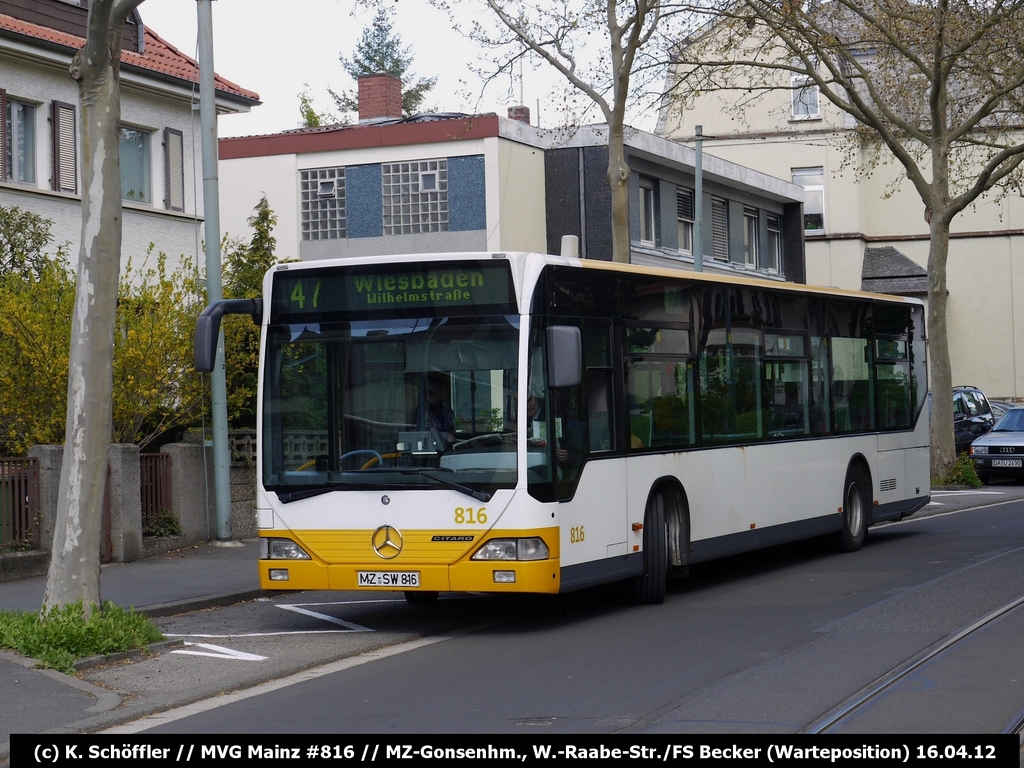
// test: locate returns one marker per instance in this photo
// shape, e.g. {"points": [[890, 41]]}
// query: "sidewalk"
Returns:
{"points": [[190, 579]]}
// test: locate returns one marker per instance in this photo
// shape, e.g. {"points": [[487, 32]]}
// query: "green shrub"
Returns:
{"points": [[61, 637], [962, 473]]}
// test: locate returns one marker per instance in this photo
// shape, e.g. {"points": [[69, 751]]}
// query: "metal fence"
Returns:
{"points": [[19, 503], [155, 473]]}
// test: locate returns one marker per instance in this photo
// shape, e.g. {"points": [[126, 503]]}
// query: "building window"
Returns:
{"points": [[135, 165], [804, 94], [65, 160], [684, 219], [322, 193], [20, 142], [773, 255], [720, 229], [813, 182], [750, 237], [647, 232], [415, 197], [174, 165]]}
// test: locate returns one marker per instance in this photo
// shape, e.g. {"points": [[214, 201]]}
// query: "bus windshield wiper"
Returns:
{"points": [[309, 493], [478, 495]]}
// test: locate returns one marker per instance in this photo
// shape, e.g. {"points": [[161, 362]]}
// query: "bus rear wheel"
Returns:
{"points": [[649, 586], [856, 495]]}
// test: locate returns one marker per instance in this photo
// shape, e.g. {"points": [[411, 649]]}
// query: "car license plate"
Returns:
{"points": [[1012, 463], [402, 579]]}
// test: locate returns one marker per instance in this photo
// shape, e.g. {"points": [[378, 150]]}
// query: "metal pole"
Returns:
{"points": [[211, 212], [698, 201]]}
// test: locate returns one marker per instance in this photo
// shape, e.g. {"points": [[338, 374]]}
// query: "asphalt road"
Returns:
{"points": [[770, 642]]}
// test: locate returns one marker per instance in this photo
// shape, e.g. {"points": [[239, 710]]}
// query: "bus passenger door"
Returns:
{"points": [[593, 518], [589, 482]]}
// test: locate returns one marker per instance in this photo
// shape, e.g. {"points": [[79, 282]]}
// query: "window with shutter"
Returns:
{"points": [[720, 228], [174, 163], [684, 219], [65, 160]]}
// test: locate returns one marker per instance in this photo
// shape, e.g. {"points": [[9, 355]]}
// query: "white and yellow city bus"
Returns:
{"points": [[514, 422]]}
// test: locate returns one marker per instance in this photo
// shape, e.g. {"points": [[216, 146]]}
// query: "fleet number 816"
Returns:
{"points": [[469, 516]]}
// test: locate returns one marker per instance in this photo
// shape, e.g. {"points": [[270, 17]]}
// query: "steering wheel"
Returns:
{"points": [[376, 454]]}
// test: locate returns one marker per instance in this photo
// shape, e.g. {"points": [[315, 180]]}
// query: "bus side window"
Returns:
{"points": [[597, 359]]}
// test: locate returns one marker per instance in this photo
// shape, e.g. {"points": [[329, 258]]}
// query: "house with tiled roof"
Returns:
{"points": [[161, 173]]}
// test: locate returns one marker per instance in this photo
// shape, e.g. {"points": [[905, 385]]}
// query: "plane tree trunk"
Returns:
{"points": [[74, 564]]}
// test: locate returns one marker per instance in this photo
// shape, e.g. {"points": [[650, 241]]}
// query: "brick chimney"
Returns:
{"points": [[380, 98], [520, 114]]}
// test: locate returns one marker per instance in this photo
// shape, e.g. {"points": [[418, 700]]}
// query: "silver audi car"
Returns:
{"points": [[1000, 453]]}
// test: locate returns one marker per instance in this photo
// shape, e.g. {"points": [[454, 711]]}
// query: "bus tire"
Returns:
{"points": [[420, 598], [649, 586], [856, 497], [679, 538]]}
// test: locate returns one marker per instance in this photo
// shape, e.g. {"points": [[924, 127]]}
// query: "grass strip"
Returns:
{"points": [[63, 636]]}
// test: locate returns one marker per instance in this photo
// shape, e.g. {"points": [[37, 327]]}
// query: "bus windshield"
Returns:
{"points": [[399, 403]]}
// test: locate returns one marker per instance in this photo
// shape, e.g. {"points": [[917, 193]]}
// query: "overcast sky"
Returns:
{"points": [[262, 47]]}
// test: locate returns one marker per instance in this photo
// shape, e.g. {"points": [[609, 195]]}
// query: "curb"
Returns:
{"points": [[161, 610], [100, 659]]}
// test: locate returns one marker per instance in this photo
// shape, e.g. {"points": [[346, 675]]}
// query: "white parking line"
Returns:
{"points": [[220, 652], [205, 705], [297, 608]]}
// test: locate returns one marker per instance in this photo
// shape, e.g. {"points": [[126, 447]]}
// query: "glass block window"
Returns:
{"points": [[322, 192], [415, 197]]}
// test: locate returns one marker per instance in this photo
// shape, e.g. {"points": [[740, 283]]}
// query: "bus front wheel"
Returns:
{"points": [[649, 586], [420, 598], [856, 497]]}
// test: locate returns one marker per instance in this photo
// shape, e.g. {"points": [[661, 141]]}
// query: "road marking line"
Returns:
{"points": [[968, 493], [909, 520], [220, 652], [324, 617], [219, 700], [265, 634]]}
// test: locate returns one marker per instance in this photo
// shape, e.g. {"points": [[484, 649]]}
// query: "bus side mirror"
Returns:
{"points": [[565, 356], [204, 342]]}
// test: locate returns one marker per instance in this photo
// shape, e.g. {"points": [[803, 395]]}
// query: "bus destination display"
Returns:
{"points": [[388, 287]]}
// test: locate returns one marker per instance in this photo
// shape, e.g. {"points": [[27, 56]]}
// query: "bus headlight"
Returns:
{"points": [[532, 549], [281, 549], [512, 549]]}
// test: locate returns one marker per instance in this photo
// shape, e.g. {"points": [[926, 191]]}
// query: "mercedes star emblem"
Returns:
{"points": [[387, 542]]}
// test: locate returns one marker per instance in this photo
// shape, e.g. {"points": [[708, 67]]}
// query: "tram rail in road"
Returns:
{"points": [[844, 714]]}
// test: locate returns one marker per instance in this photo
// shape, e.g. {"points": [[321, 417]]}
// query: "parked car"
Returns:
{"points": [[999, 409], [972, 416], [1000, 453]]}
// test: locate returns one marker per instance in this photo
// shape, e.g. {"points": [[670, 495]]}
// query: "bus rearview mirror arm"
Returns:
{"points": [[208, 327], [565, 356]]}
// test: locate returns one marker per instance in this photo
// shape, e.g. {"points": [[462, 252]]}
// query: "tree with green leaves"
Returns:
{"points": [[244, 267], [379, 51], [24, 239]]}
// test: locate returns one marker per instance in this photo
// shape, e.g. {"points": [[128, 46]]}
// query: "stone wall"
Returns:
{"points": [[191, 502]]}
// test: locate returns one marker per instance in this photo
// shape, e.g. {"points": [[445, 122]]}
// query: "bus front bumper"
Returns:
{"points": [[538, 576]]}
